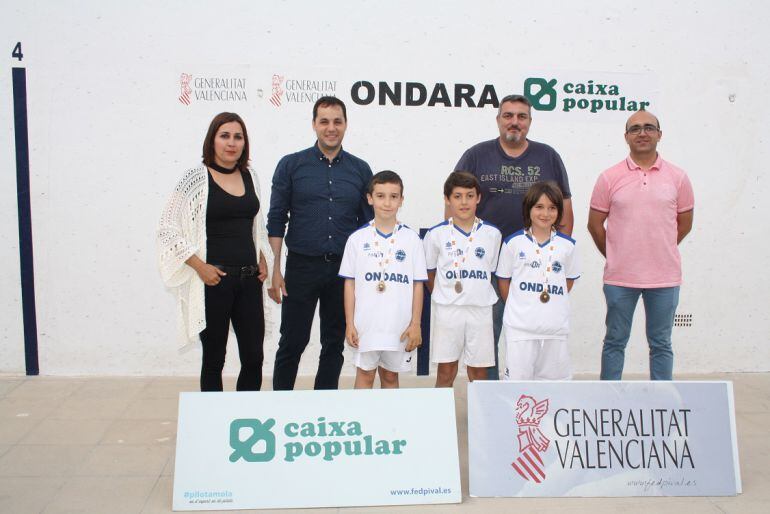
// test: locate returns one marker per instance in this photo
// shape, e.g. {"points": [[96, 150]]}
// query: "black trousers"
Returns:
{"points": [[238, 300], [308, 281]]}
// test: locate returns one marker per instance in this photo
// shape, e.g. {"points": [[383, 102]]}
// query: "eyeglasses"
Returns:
{"points": [[635, 130]]}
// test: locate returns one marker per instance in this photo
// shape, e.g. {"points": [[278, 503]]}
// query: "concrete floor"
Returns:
{"points": [[106, 445]]}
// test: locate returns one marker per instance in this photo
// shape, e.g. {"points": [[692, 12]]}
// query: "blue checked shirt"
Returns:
{"points": [[324, 202]]}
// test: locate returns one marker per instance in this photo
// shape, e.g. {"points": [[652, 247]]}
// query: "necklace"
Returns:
{"points": [[386, 256], [457, 264], [221, 169], [545, 297]]}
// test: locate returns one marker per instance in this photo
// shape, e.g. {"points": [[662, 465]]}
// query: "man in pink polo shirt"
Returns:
{"points": [[648, 206]]}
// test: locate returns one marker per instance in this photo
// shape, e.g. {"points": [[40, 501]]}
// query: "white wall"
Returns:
{"points": [[109, 138]]}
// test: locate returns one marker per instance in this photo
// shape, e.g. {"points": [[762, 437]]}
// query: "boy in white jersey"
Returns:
{"points": [[384, 268], [461, 254], [536, 271]]}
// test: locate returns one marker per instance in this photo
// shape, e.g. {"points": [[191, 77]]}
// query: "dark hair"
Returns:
{"points": [[329, 101], [552, 191], [515, 98], [208, 143], [385, 177], [461, 179]]}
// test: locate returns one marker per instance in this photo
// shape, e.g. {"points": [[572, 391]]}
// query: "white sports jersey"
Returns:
{"points": [[526, 317], [474, 273], [381, 317]]}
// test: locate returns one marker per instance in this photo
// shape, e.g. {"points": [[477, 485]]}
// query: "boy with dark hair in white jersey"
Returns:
{"points": [[383, 267], [461, 254]]}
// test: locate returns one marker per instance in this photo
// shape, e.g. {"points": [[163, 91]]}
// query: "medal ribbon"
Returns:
{"points": [[457, 264], [386, 257], [545, 268]]}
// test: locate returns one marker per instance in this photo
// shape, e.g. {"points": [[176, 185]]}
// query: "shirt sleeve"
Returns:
{"points": [[600, 198], [467, 162], [572, 265], [365, 211], [348, 263], [496, 239], [685, 200], [561, 173], [173, 237], [280, 199], [505, 264], [431, 251], [419, 271]]}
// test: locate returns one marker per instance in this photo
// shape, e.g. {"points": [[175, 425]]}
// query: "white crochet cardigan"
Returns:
{"points": [[182, 233]]}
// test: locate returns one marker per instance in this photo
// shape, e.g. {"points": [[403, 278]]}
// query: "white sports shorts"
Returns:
{"points": [[537, 359], [397, 361], [462, 330]]}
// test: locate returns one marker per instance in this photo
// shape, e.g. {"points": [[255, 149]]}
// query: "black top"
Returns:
{"points": [[230, 223]]}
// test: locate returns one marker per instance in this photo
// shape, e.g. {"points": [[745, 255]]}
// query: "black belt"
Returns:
{"points": [[239, 271], [327, 257]]}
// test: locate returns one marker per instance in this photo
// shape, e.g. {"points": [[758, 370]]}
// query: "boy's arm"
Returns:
{"points": [[504, 285], [431, 280], [351, 334], [413, 333]]}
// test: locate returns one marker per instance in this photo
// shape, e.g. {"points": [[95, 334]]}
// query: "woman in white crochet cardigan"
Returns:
{"points": [[213, 254]]}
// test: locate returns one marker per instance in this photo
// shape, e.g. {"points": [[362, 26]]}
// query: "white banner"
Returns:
{"points": [[316, 449], [602, 439]]}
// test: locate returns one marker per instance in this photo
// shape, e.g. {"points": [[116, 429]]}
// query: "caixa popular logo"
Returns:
{"points": [[532, 442], [592, 96], [255, 440]]}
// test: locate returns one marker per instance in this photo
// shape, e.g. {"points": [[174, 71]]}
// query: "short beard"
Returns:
{"points": [[513, 138]]}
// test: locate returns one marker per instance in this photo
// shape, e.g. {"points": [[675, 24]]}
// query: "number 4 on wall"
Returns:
{"points": [[17, 51]]}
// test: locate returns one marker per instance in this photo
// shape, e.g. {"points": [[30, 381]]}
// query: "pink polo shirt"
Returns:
{"points": [[642, 207]]}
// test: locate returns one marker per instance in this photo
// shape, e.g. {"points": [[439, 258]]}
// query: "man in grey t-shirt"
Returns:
{"points": [[505, 167]]}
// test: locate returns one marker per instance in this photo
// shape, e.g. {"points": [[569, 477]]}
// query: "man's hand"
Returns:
{"points": [[413, 337], [278, 287]]}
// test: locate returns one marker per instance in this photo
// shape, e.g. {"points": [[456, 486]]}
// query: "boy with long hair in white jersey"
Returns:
{"points": [[461, 254], [384, 270], [537, 268]]}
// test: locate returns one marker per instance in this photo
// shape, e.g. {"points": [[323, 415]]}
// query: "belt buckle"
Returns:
{"points": [[248, 271]]}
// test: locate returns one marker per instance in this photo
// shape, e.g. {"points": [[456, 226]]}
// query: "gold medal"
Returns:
{"points": [[544, 297], [458, 287], [381, 286]]}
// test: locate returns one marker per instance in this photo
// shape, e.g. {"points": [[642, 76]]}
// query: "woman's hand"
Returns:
{"points": [[262, 268], [211, 275]]}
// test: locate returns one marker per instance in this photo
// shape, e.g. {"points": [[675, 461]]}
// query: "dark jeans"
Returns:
{"points": [[497, 326], [238, 300], [308, 281]]}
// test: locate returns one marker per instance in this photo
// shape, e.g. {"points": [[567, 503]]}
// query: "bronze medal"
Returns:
{"points": [[545, 297], [381, 286], [458, 287]]}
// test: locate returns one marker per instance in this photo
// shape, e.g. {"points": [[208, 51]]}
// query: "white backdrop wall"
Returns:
{"points": [[109, 138]]}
